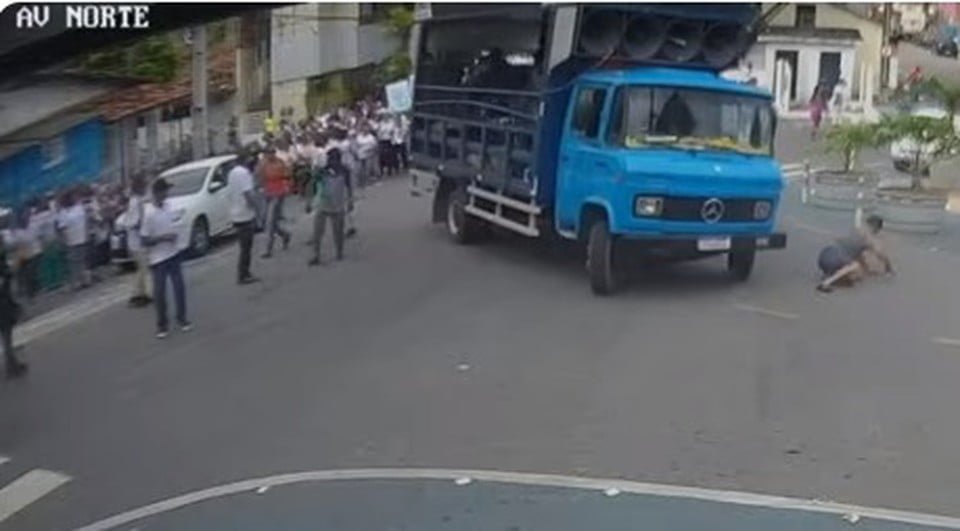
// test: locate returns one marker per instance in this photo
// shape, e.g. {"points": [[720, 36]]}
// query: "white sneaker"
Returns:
{"points": [[161, 334], [186, 327]]}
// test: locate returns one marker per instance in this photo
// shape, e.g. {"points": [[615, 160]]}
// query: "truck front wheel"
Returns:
{"points": [[740, 263], [462, 227], [600, 259]]}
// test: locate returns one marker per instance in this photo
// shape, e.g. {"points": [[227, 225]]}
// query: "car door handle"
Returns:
{"points": [[601, 165]]}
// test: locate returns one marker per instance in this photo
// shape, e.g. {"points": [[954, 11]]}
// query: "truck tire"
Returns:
{"points": [[600, 259], [740, 263], [462, 227]]}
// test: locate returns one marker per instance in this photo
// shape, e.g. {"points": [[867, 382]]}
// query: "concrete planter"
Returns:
{"points": [[913, 212], [836, 190]]}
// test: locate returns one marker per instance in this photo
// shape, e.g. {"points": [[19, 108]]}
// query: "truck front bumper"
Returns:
{"points": [[696, 246]]}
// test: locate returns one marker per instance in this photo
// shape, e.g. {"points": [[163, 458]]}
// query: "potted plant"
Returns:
{"points": [[848, 187], [918, 207]]}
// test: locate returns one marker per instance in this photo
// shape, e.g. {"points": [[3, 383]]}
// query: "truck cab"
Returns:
{"points": [[670, 162]]}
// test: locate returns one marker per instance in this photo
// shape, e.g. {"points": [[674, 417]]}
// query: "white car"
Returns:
{"points": [[904, 151], [200, 194]]}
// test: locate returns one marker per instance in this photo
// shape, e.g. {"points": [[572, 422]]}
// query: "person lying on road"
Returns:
{"points": [[846, 260]]}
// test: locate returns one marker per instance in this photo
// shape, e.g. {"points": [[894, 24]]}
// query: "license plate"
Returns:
{"points": [[713, 244]]}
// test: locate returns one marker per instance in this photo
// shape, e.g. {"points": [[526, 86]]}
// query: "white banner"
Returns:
{"points": [[398, 96]]}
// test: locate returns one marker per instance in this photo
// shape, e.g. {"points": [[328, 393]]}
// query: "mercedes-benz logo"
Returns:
{"points": [[712, 210]]}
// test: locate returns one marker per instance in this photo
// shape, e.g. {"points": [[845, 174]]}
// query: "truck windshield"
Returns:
{"points": [[691, 119]]}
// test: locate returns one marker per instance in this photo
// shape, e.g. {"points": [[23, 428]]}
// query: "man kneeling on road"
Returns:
{"points": [[846, 261]]}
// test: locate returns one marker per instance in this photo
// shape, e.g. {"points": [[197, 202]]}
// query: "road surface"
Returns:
{"points": [[418, 354]]}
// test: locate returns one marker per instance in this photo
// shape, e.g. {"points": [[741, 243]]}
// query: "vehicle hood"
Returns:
{"points": [[701, 168]]}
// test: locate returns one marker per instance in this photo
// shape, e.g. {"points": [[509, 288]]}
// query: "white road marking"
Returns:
{"points": [[27, 489], [809, 228], [765, 311], [542, 480], [947, 341], [54, 320], [793, 171]]}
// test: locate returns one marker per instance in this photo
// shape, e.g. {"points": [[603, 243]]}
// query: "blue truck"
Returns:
{"points": [[607, 126]]}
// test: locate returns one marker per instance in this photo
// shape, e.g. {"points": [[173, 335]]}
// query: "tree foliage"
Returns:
{"points": [[155, 58], [947, 93], [931, 139], [849, 139], [399, 22]]}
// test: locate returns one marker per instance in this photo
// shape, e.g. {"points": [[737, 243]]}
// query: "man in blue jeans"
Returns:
{"points": [[160, 236]]}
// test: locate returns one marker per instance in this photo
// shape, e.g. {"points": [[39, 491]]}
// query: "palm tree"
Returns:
{"points": [[947, 93], [933, 139], [849, 139]]}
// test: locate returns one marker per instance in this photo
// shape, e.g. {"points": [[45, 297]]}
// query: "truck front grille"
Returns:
{"points": [[689, 209]]}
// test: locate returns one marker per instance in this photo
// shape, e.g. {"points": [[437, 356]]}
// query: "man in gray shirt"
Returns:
{"points": [[332, 199]]}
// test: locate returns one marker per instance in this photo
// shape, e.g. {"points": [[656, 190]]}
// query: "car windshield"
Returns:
{"points": [[186, 182], [691, 119]]}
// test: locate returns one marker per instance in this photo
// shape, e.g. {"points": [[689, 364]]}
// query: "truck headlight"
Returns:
{"points": [[762, 209], [647, 206]]}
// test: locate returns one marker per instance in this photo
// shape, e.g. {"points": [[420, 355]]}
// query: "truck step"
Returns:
{"points": [[529, 208], [526, 230]]}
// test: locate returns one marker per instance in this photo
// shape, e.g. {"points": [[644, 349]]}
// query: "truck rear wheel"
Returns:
{"points": [[462, 227], [740, 263], [600, 259]]}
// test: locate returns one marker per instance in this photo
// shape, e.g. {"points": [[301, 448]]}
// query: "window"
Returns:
{"points": [[220, 173], [186, 182], [586, 114], [806, 16], [53, 152], [694, 119]]}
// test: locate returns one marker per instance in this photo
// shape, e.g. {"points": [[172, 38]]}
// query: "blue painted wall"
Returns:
{"points": [[23, 175]]}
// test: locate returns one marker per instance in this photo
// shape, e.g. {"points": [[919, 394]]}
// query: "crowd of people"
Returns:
{"points": [[59, 240], [327, 160]]}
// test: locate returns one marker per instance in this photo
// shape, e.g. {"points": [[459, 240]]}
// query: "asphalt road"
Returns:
{"points": [[911, 56], [418, 353]]}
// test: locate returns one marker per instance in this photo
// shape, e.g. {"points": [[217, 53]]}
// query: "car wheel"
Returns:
{"points": [[600, 259], [200, 237], [740, 264]]}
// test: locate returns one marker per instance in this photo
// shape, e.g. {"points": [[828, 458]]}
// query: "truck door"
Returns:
{"points": [[585, 164]]}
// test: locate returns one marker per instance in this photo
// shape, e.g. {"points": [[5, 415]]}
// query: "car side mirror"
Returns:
{"points": [[216, 186]]}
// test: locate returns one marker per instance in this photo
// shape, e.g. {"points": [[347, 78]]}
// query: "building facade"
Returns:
{"points": [[323, 48], [821, 43]]}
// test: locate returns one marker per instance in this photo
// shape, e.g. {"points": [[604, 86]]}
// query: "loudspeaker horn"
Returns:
{"points": [[643, 37], [723, 44], [684, 41], [601, 31]]}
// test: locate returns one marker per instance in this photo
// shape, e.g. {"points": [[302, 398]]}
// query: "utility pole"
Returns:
{"points": [[885, 50], [198, 110]]}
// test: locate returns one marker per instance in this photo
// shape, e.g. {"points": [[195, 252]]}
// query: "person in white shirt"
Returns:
{"points": [[365, 151], [132, 219], [160, 235], [399, 143], [28, 250], [384, 129], [43, 220], [244, 212], [72, 225]]}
